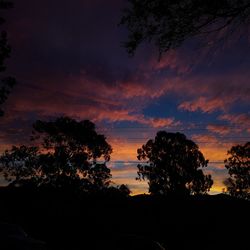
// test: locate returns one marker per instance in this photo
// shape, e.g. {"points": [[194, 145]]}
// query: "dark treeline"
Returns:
{"points": [[71, 155], [60, 192]]}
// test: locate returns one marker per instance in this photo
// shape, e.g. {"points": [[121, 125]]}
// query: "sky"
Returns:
{"points": [[68, 59]]}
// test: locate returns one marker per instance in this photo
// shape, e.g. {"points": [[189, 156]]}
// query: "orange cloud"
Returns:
{"points": [[126, 174], [124, 150], [214, 148], [218, 175], [137, 187]]}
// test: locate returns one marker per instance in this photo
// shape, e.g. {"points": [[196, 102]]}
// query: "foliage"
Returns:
{"points": [[6, 82], [167, 23], [173, 165], [68, 157], [20, 163], [124, 189], [238, 166]]}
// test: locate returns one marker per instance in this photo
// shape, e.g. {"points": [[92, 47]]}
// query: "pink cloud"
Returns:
{"points": [[162, 122], [241, 121], [205, 105], [67, 102], [173, 60], [211, 93], [204, 138], [219, 129]]}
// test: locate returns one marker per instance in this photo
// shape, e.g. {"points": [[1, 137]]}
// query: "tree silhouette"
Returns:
{"points": [[168, 23], [68, 157], [238, 165], [124, 189], [6, 82], [173, 165]]}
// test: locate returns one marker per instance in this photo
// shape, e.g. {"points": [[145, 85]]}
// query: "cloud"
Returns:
{"points": [[218, 92], [214, 148], [205, 104], [204, 138], [87, 98], [125, 173], [219, 129], [218, 176], [160, 122], [76, 66], [174, 60], [240, 121]]}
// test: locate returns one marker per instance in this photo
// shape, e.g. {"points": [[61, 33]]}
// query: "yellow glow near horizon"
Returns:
{"points": [[124, 151]]}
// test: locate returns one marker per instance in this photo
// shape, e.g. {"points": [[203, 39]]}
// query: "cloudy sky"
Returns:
{"points": [[68, 59]]}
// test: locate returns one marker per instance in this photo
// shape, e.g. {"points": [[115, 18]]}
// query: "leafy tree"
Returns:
{"points": [[124, 189], [68, 157], [173, 165], [21, 164], [99, 176], [238, 166], [6, 82], [167, 23]]}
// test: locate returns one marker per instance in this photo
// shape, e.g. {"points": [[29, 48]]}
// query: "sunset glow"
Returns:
{"points": [[77, 67]]}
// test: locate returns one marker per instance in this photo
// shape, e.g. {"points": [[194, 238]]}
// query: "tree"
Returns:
{"points": [[238, 166], [124, 189], [173, 165], [67, 157], [6, 82], [168, 23]]}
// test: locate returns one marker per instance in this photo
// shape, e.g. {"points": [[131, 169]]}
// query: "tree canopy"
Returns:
{"points": [[168, 23], [6, 82], [238, 166], [69, 154], [173, 165]]}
